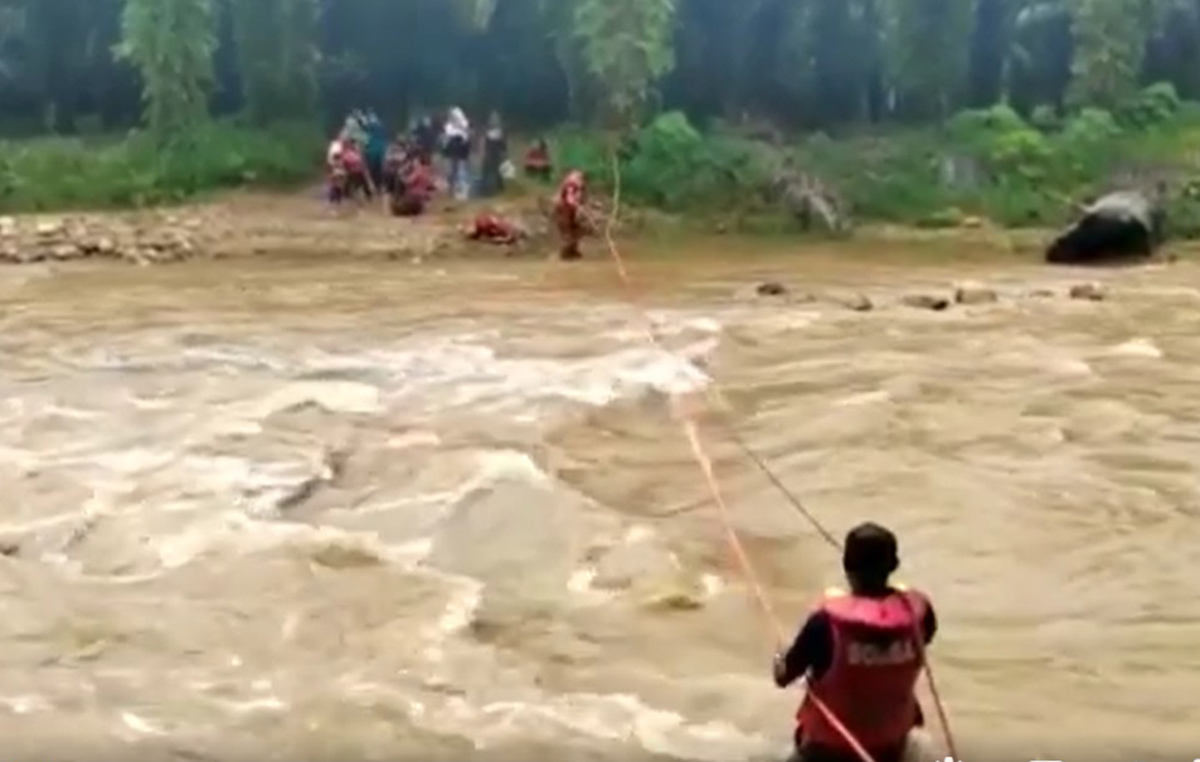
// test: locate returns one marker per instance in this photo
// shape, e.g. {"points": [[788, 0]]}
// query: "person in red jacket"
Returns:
{"points": [[415, 190], [537, 160], [490, 228], [570, 213], [358, 179], [862, 657]]}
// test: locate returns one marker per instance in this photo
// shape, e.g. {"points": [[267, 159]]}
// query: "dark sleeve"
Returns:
{"points": [[812, 650], [929, 624]]}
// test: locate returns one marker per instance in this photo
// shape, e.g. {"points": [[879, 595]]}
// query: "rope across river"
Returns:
{"points": [[686, 408]]}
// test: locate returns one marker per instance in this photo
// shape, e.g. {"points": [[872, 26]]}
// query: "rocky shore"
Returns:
{"points": [[244, 225]]}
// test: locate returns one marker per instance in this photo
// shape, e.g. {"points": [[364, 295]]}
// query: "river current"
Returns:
{"points": [[379, 510]]}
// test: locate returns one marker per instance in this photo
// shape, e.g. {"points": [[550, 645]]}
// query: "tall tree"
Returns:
{"points": [[277, 53], [627, 48], [1110, 43], [171, 43], [927, 53]]}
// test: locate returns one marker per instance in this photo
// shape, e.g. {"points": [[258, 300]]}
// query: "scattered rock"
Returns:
{"points": [[970, 292], [8, 226], [1088, 291], [858, 303], [925, 302], [49, 228], [771, 288], [64, 252]]}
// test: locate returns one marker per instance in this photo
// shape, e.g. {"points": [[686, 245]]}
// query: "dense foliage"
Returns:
{"points": [[814, 63], [1040, 97]]}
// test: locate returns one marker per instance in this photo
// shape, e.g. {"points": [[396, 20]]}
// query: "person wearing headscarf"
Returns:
{"points": [[456, 146]]}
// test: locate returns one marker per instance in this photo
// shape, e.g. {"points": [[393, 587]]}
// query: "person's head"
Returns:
{"points": [[494, 120], [870, 557]]}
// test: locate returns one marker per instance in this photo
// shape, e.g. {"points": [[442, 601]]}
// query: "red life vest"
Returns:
{"points": [[419, 181], [352, 159], [572, 192], [537, 158], [869, 689]]}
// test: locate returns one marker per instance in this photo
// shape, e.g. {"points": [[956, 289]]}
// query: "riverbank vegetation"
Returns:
{"points": [[1022, 109]]}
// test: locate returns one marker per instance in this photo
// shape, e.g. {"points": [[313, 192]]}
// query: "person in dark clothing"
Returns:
{"points": [[861, 656], [495, 152], [375, 149], [425, 139]]}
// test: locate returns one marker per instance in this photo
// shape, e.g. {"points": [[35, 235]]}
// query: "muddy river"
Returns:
{"points": [[376, 510]]}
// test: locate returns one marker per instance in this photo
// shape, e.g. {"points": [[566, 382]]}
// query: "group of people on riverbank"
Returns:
{"points": [[363, 165]]}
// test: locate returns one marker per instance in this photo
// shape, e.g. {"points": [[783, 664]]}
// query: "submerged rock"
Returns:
{"points": [[1125, 225], [970, 292], [858, 303], [771, 288], [925, 302], [1087, 291]]}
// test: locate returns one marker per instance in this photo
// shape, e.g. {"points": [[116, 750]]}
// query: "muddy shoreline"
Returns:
{"points": [[257, 224]]}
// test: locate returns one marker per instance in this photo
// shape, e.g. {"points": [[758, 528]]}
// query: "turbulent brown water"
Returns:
{"points": [[379, 511]]}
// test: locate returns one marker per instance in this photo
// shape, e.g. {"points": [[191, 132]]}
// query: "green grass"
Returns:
{"points": [[1026, 173], [104, 172]]}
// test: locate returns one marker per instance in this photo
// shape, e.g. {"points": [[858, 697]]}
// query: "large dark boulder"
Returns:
{"points": [[1121, 226]]}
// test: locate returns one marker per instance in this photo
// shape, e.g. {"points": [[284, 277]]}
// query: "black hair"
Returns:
{"points": [[871, 553]]}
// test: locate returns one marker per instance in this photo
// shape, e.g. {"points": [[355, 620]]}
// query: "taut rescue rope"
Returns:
{"points": [[691, 430]]}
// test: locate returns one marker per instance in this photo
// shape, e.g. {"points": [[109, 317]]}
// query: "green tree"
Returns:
{"points": [[927, 54], [1110, 45], [277, 56], [627, 47], [171, 44]]}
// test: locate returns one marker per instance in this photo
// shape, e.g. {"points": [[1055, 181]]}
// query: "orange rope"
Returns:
{"points": [[706, 466], [735, 543]]}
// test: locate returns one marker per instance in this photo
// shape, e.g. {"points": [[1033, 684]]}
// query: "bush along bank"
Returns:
{"points": [[51, 174], [989, 164]]}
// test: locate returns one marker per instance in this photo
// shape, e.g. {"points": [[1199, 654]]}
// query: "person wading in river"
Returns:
{"points": [[570, 214], [862, 658]]}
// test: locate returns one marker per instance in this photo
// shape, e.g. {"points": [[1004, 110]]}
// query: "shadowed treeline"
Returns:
{"points": [[68, 65]]}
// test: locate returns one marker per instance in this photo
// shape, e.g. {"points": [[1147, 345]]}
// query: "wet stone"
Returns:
{"points": [[925, 302], [1093, 292], [971, 292], [858, 303]]}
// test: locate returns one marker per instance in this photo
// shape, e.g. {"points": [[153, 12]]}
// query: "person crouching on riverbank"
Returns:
{"points": [[570, 214], [415, 190], [490, 228]]}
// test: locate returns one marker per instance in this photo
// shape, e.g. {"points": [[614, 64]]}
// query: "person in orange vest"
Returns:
{"points": [[862, 657], [570, 212]]}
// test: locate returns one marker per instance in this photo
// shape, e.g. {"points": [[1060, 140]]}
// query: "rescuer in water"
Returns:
{"points": [[862, 658], [570, 213]]}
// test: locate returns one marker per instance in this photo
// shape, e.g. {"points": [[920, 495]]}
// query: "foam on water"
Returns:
{"points": [[1138, 348]]}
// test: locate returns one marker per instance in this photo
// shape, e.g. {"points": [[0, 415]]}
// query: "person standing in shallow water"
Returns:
{"points": [[860, 653], [570, 214]]}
